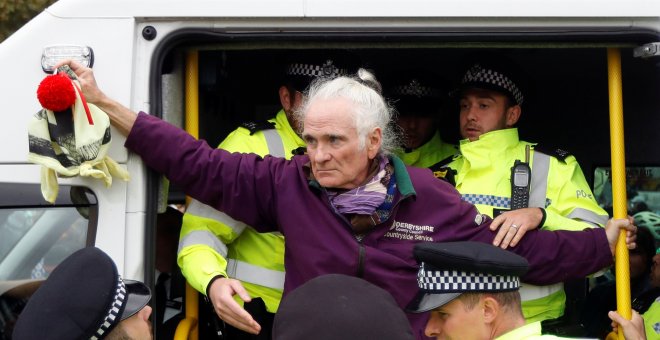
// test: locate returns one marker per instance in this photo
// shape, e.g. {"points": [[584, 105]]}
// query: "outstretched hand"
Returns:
{"points": [[513, 225], [613, 228], [87, 81], [633, 329], [121, 117], [221, 294]]}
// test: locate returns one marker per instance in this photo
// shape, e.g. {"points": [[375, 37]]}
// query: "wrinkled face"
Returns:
{"points": [[655, 271], [138, 326], [455, 321], [417, 130], [333, 144], [483, 111]]}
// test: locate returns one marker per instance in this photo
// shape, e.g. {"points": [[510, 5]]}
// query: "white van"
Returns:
{"points": [[209, 65]]}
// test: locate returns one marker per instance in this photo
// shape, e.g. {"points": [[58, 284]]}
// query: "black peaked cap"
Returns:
{"points": [[497, 73], [416, 92], [448, 269], [336, 306], [303, 68], [84, 297]]}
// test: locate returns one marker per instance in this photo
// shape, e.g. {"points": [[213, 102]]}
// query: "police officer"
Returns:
{"points": [[471, 290], [502, 175], [219, 254], [419, 97], [85, 298]]}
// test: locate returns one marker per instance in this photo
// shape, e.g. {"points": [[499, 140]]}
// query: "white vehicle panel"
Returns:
{"points": [[21, 53]]}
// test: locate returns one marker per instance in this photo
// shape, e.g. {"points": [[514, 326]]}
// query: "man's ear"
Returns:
{"points": [[491, 309], [374, 141], [512, 115], [286, 98]]}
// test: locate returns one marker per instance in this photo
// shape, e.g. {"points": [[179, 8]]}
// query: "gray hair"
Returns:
{"points": [[371, 110]]}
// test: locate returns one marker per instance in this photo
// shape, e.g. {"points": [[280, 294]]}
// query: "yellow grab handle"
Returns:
{"points": [[618, 158]]}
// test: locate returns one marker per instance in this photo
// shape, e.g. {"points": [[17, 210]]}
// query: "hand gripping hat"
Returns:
{"points": [[416, 92], [450, 269], [495, 73], [69, 136], [83, 298], [336, 306]]}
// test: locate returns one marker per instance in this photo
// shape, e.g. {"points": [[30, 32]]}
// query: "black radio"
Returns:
{"points": [[521, 175]]}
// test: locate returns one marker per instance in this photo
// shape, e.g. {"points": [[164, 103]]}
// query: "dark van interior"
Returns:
{"points": [[566, 94]]}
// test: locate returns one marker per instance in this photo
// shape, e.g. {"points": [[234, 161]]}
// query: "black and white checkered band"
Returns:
{"points": [[415, 89], [113, 314], [453, 281], [327, 70], [479, 74]]}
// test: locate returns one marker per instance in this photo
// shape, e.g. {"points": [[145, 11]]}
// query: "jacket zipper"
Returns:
{"points": [[361, 254], [358, 238]]}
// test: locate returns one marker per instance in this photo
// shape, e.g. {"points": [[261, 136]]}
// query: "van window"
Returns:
{"points": [[35, 237]]}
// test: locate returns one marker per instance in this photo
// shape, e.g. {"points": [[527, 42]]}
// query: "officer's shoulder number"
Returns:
{"points": [[258, 126]]}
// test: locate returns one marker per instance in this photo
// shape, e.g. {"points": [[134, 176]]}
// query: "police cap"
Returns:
{"points": [[336, 306], [83, 298], [416, 92], [304, 67], [449, 269], [496, 73]]}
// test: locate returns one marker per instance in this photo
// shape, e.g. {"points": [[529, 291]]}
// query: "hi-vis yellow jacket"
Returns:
{"points": [[213, 243], [429, 154], [483, 177], [652, 321]]}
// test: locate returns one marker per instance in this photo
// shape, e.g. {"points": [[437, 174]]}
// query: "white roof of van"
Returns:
{"points": [[355, 8]]}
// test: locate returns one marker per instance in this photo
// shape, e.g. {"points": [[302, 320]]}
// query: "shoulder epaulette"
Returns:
{"points": [[258, 126], [558, 153], [442, 163], [442, 172], [299, 151]]}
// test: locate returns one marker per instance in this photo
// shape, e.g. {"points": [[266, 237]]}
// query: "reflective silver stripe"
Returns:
{"points": [[539, 183], [588, 216], [203, 237], [274, 142], [531, 292], [244, 271], [200, 209]]}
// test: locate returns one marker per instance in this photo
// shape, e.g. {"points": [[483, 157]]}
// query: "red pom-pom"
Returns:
{"points": [[56, 92]]}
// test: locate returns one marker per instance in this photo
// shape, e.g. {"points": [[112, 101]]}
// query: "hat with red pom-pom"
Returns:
{"points": [[68, 136], [56, 92]]}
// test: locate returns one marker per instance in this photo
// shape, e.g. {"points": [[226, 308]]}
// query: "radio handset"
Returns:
{"points": [[521, 175]]}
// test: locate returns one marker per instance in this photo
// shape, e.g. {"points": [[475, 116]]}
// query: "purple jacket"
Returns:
{"points": [[266, 192]]}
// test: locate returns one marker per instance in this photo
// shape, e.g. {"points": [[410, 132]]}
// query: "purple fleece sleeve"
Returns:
{"points": [[557, 256], [554, 256], [213, 176]]}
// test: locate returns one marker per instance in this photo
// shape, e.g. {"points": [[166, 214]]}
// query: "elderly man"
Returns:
{"points": [[213, 246], [348, 207]]}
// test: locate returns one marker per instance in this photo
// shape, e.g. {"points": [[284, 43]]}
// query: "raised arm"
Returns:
{"points": [[121, 117]]}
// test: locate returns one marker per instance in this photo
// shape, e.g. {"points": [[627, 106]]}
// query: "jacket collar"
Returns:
{"points": [[403, 182], [490, 145], [412, 156], [285, 127]]}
